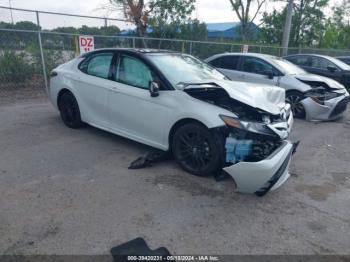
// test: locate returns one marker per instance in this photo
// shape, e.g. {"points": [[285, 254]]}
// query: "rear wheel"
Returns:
{"points": [[69, 110], [294, 98], [196, 149]]}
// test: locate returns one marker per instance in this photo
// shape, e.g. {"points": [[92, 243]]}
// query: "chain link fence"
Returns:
{"points": [[28, 56]]}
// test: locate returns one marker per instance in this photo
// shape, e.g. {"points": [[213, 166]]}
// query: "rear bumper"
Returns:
{"points": [[265, 175]]}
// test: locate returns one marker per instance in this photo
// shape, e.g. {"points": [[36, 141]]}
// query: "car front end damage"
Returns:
{"points": [[256, 154], [255, 151], [325, 100]]}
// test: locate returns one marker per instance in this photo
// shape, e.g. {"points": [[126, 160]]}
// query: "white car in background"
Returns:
{"points": [[173, 101], [311, 96]]}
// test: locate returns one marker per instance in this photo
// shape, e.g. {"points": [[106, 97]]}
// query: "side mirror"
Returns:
{"points": [[269, 74], [154, 89], [331, 68]]}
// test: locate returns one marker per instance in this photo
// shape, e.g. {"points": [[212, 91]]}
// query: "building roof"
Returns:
{"points": [[212, 27]]}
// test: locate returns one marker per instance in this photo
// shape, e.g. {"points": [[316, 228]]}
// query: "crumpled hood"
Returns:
{"points": [[265, 97], [311, 77]]}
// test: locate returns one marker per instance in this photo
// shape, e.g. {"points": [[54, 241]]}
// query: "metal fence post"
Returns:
{"points": [[41, 49], [190, 48], [106, 22], [133, 42]]}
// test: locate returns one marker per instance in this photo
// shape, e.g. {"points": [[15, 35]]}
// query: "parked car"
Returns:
{"points": [[345, 59], [323, 65], [173, 101], [311, 96]]}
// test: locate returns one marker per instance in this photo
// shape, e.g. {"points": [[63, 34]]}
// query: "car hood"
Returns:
{"points": [[264, 97], [317, 78]]}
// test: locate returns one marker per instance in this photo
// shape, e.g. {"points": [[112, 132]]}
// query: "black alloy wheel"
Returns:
{"points": [[294, 98], [196, 149]]}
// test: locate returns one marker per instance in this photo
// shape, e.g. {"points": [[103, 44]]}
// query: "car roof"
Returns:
{"points": [[317, 55], [258, 55], [134, 50], [344, 56]]}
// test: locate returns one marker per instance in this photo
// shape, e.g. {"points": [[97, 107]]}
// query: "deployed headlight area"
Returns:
{"points": [[240, 144], [249, 126], [322, 94]]}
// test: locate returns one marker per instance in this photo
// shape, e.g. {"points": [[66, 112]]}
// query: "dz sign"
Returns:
{"points": [[86, 44]]}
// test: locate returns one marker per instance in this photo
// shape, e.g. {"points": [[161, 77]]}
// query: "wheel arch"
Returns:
{"points": [[179, 124], [64, 91]]}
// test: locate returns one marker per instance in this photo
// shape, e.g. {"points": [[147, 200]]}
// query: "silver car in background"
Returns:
{"points": [[311, 96]]}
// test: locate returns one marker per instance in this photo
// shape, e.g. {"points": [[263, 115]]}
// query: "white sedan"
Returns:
{"points": [[311, 96], [173, 101]]}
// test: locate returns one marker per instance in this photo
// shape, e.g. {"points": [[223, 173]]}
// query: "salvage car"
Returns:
{"points": [[323, 65], [311, 96], [172, 101]]}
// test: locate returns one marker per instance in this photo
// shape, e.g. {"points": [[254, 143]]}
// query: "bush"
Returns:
{"points": [[14, 67]]}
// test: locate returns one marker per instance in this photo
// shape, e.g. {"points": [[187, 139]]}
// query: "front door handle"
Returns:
{"points": [[113, 88]]}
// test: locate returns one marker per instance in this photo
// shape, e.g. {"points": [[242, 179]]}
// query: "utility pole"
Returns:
{"points": [[10, 5], [287, 26]]}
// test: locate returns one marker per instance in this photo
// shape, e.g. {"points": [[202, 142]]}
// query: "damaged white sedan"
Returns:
{"points": [[175, 102], [311, 96]]}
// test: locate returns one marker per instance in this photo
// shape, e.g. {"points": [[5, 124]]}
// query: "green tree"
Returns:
{"points": [[337, 29], [246, 11], [308, 23], [139, 12]]}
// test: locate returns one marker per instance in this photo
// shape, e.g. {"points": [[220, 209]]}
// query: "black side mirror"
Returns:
{"points": [[331, 68], [269, 74], [154, 89]]}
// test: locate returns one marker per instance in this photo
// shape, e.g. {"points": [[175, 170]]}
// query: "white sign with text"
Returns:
{"points": [[86, 44]]}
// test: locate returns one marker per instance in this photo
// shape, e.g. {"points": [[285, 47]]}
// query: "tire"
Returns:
{"points": [[196, 150], [69, 110], [294, 98]]}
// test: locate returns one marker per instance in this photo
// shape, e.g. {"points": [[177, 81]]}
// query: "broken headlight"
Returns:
{"points": [[254, 127], [320, 95]]}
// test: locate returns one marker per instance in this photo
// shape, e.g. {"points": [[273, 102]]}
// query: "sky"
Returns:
{"points": [[208, 11]]}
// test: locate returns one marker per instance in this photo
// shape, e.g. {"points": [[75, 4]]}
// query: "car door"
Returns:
{"points": [[305, 62], [256, 70], [92, 86], [324, 67], [227, 65], [132, 111]]}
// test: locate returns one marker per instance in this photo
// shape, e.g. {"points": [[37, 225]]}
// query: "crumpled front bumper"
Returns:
{"points": [[331, 110], [265, 175]]}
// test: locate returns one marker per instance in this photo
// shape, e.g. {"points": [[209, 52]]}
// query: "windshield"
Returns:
{"points": [[178, 68], [339, 63], [287, 67]]}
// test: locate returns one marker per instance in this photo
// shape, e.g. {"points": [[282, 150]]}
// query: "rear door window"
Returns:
{"points": [[300, 60], [98, 65], [226, 62]]}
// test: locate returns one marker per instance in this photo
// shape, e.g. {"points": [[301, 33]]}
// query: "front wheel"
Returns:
{"points": [[294, 98], [196, 150]]}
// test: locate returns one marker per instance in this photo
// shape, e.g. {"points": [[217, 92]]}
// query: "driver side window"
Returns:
{"points": [[132, 71], [256, 66], [322, 63]]}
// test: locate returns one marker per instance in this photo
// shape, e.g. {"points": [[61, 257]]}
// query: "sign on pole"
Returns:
{"points": [[86, 44], [245, 48]]}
